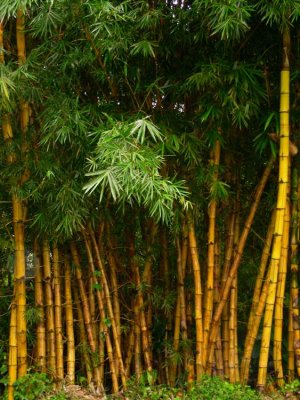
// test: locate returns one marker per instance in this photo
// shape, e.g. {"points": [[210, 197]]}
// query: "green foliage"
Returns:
{"points": [[142, 392], [263, 140], [228, 18], [210, 388], [214, 388], [33, 316], [234, 87], [144, 48], [49, 15], [291, 387], [282, 13], [9, 8], [127, 165], [32, 386], [56, 396]]}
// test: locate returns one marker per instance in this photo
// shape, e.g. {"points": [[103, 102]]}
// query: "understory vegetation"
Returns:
{"points": [[149, 199], [38, 386]]}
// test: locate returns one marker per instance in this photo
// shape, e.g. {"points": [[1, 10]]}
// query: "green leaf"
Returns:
{"points": [[144, 48]]}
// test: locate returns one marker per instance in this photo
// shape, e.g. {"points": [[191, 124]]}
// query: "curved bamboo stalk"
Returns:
{"points": [[258, 303], [252, 333], [262, 268]]}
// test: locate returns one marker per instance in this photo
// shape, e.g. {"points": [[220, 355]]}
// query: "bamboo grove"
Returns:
{"points": [[150, 192]]}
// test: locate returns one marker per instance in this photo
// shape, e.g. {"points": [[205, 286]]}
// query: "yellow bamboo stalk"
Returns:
{"points": [[233, 358], [58, 329], [39, 303], [187, 357], [1, 43], [184, 258], [115, 292], [13, 352], [49, 311], [84, 346], [149, 312], [114, 281], [294, 291], [180, 315], [232, 332], [130, 350], [225, 314], [19, 218], [143, 321], [212, 210], [198, 298], [140, 313], [86, 314], [109, 308], [262, 268], [176, 341], [291, 352], [236, 262], [101, 343], [189, 296], [92, 305], [166, 279], [180, 308], [70, 377], [258, 304], [100, 301], [136, 323], [252, 333], [147, 278], [217, 277], [137, 344], [234, 290], [18, 345], [280, 209], [278, 314], [20, 270]]}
